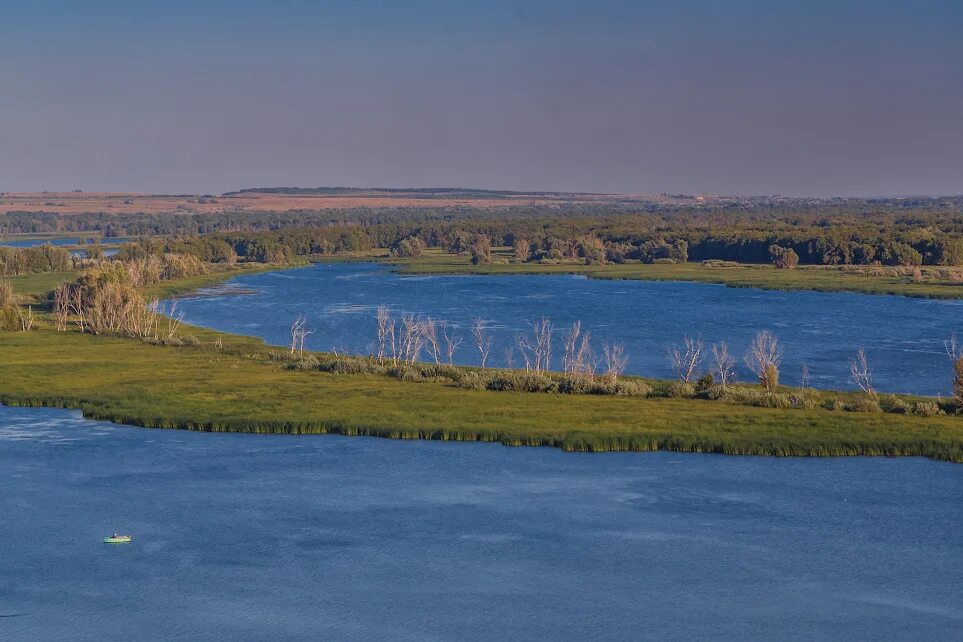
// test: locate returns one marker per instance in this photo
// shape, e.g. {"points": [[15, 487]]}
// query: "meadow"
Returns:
{"points": [[224, 383]]}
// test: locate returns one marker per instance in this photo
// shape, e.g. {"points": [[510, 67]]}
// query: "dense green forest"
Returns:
{"points": [[842, 240], [828, 232]]}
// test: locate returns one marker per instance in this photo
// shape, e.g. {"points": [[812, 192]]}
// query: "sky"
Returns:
{"points": [[816, 97]]}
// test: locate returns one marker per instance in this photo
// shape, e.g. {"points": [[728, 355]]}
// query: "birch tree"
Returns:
{"points": [[763, 359], [483, 341], [723, 364], [686, 360], [860, 374]]}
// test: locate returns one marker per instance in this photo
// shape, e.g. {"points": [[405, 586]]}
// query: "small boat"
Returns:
{"points": [[117, 539]]}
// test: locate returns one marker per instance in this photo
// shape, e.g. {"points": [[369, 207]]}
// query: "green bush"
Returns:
{"points": [[864, 404], [926, 409], [892, 403], [834, 404], [679, 390]]}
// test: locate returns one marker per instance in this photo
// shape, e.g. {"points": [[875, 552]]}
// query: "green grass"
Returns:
{"points": [[202, 388], [234, 389], [35, 287], [821, 278]]}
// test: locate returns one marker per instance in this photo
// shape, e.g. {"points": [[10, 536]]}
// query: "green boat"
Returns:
{"points": [[117, 539]]}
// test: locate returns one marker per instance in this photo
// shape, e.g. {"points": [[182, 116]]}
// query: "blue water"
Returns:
{"points": [[70, 240], [244, 537], [903, 337]]}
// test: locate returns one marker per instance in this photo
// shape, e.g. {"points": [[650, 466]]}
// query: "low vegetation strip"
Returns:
{"points": [[213, 385], [864, 280]]}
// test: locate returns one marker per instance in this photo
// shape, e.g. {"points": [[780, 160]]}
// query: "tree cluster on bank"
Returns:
{"points": [[41, 258]]}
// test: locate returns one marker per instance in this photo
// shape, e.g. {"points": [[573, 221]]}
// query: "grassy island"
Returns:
{"points": [[218, 382]]}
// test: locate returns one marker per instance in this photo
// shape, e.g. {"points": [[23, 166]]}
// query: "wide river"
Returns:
{"points": [[256, 537], [903, 337]]}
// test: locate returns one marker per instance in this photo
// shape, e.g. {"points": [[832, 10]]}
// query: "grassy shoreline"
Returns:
{"points": [[766, 277], [233, 388]]}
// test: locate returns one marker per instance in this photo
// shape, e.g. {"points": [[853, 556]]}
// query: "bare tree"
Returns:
{"points": [[955, 353], [174, 319], [536, 348], [452, 341], [61, 305], [26, 319], [76, 304], [429, 331], [859, 371], [723, 364], [577, 358], [804, 376], [510, 357], [386, 336], [412, 338], [615, 360], [299, 332], [685, 361], [763, 359], [483, 341]]}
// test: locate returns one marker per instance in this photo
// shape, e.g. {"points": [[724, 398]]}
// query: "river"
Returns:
{"points": [[256, 537], [903, 337]]}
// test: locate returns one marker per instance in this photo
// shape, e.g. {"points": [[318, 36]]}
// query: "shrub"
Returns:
{"points": [[705, 382], [834, 404], [680, 389], [926, 409], [631, 388], [892, 403], [806, 399], [472, 381], [405, 373], [575, 385], [864, 404], [441, 371], [191, 340]]}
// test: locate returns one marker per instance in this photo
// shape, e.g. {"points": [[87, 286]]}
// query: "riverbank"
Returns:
{"points": [[859, 279]]}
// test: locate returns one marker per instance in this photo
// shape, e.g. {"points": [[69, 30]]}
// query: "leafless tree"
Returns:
{"points": [[483, 341], [615, 360], [429, 331], [452, 341], [859, 371], [536, 348], [510, 357], [955, 353], [686, 360], [61, 305], [386, 336], [763, 359], [412, 338], [578, 358], [174, 319], [26, 318], [299, 332], [76, 304], [804, 376], [723, 364]]}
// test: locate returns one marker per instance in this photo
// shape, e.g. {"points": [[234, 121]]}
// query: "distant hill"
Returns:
{"points": [[460, 192]]}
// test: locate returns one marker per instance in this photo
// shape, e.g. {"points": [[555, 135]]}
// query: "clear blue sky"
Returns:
{"points": [[844, 97]]}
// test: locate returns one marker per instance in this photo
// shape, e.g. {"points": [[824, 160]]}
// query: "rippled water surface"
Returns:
{"points": [[903, 337], [244, 537]]}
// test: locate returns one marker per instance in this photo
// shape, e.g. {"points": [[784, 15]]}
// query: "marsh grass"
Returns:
{"points": [[237, 388]]}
